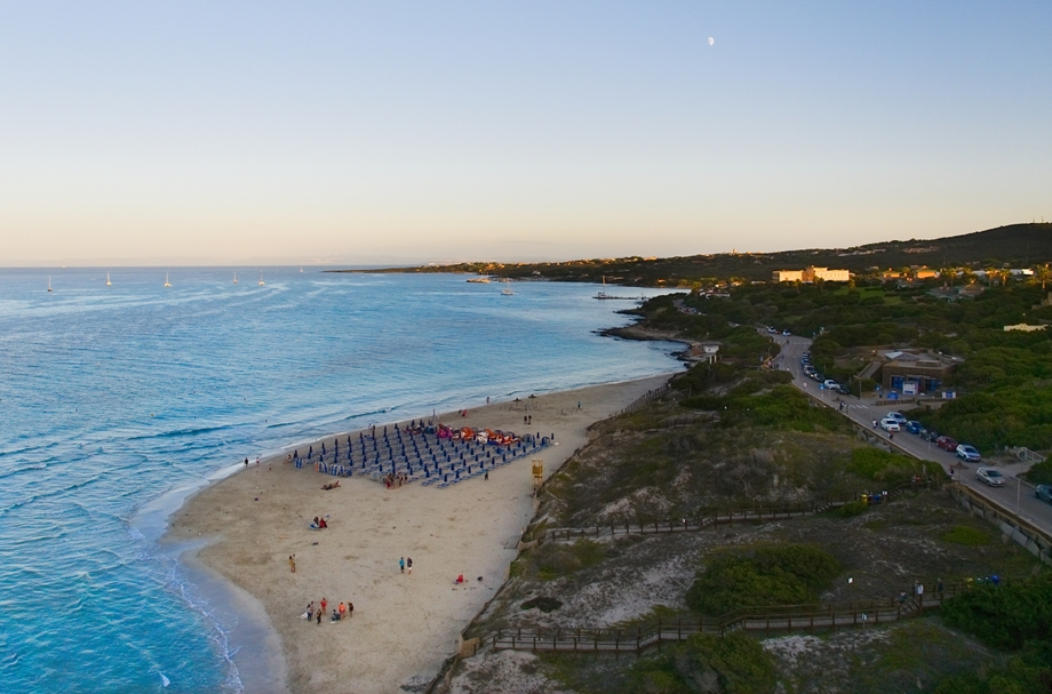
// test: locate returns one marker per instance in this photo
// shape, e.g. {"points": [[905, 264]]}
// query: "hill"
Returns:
{"points": [[1014, 245]]}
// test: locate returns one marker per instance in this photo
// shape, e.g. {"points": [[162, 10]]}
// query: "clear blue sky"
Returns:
{"points": [[342, 132]]}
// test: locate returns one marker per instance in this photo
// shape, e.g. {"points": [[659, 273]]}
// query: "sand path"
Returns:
{"points": [[404, 625]]}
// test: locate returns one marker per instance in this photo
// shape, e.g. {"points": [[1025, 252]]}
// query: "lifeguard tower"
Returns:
{"points": [[538, 474]]}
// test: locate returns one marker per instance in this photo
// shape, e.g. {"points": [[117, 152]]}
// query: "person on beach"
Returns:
{"points": [[409, 565], [343, 610], [324, 604], [246, 462], [401, 564], [310, 611], [350, 608], [292, 563], [320, 613]]}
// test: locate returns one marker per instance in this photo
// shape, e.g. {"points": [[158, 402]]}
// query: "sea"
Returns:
{"points": [[116, 402]]}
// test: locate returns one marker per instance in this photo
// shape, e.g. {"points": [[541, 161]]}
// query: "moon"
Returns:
{"points": [[711, 41]]}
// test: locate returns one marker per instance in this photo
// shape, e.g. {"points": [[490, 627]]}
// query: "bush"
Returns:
{"points": [[1007, 617], [732, 664], [760, 575], [881, 466], [852, 509]]}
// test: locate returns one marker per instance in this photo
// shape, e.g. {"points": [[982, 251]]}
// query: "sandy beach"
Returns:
{"points": [[404, 625]]}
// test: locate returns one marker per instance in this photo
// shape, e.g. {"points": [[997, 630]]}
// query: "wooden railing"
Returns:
{"points": [[765, 620]]}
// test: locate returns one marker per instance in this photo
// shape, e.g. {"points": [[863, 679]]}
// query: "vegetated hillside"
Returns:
{"points": [[738, 438], [1015, 245]]}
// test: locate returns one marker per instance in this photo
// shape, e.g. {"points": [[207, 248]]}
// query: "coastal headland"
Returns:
{"points": [[404, 625]]}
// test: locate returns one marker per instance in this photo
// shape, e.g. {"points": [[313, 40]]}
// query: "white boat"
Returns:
{"points": [[108, 283], [49, 283], [507, 288], [261, 282], [166, 282], [235, 276]]}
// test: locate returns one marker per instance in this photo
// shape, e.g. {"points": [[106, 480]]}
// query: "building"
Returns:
{"points": [[811, 274], [913, 373]]}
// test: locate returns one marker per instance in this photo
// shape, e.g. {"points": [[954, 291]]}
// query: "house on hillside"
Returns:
{"points": [[968, 291], [811, 274]]}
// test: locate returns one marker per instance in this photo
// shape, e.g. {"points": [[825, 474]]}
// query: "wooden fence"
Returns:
{"points": [[760, 620], [698, 522]]}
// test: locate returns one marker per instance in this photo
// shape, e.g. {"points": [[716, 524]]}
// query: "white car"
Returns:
{"points": [[830, 384], [890, 425], [990, 476], [896, 417]]}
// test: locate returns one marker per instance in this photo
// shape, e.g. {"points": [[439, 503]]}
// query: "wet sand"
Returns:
{"points": [[404, 625]]}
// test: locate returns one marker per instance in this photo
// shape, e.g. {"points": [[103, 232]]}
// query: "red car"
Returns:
{"points": [[946, 443]]}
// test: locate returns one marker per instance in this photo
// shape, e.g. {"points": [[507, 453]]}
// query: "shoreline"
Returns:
{"points": [[245, 526]]}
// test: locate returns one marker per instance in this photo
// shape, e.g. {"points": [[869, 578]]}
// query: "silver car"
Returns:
{"points": [[990, 476]]}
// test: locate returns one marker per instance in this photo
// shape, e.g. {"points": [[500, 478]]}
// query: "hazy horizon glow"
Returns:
{"points": [[353, 133]]}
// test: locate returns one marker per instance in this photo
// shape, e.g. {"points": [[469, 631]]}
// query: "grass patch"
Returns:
{"points": [[732, 664], [761, 574], [967, 536], [554, 560]]}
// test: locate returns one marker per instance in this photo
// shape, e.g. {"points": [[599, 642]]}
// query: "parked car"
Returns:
{"points": [[1044, 491], [889, 425], [990, 476], [830, 384], [968, 453], [808, 369], [843, 390], [914, 427], [786, 333], [946, 443], [897, 417]]}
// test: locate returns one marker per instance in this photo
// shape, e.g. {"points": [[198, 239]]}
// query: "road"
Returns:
{"points": [[1015, 495]]}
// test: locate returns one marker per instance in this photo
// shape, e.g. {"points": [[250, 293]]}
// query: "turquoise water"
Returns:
{"points": [[112, 399]]}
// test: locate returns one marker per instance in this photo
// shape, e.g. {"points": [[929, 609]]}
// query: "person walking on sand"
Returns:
{"points": [[401, 564], [292, 563], [320, 613], [343, 611], [310, 611], [409, 565], [324, 604], [350, 609]]}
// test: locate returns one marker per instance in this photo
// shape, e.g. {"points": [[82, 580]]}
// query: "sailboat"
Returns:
{"points": [[49, 283], [166, 282], [108, 283], [235, 276], [261, 282], [507, 288]]}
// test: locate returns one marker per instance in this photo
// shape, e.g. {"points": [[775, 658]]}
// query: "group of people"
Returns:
{"points": [[405, 563], [331, 485], [393, 479], [317, 612], [319, 524]]}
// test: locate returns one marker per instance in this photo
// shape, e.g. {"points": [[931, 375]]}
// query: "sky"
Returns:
{"points": [[342, 133]]}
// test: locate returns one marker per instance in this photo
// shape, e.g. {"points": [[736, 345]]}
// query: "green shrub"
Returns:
{"points": [[967, 536], [881, 466], [852, 509], [732, 664], [761, 574], [1009, 616]]}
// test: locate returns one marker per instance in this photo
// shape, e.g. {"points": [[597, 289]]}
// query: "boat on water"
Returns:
{"points": [[166, 282], [507, 287], [108, 283], [603, 296], [49, 283], [235, 276], [261, 282]]}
